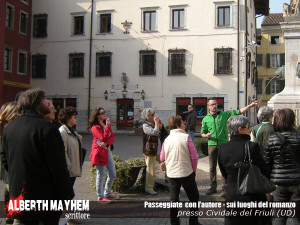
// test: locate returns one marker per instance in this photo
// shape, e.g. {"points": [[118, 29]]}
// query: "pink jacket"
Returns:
{"points": [[100, 155]]}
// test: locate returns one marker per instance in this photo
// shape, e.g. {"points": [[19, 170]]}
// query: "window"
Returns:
{"points": [[23, 22], [224, 16], [9, 20], [177, 18], [274, 40], [275, 86], [275, 60], [259, 86], [259, 59], [22, 62], [40, 25], [147, 62], [258, 40], [103, 64], [105, 23], [39, 66], [149, 20], [7, 59], [176, 62], [25, 1], [78, 23], [223, 60], [76, 64]]}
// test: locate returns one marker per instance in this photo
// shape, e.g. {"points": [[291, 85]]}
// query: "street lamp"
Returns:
{"points": [[143, 94], [105, 94]]}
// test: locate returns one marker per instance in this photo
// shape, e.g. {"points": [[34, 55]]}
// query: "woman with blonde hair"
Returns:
{"points": [[7, 114]]}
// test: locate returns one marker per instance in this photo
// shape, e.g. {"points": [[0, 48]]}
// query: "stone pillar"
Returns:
{"points": [[290, 96]]}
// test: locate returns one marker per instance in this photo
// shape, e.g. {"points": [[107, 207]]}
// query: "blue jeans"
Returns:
{"points": [[101, 191], [191, 133]]}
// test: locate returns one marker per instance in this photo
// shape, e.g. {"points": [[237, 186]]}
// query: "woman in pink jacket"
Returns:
{"points": [[101, 156]]}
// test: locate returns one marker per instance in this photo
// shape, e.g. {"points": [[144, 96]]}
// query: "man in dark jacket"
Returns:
{"points": [[33, 153], [191, 121]]}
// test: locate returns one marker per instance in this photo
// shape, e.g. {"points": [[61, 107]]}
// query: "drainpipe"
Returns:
{"points": [[90, 60], [238, 56], [246, 50]]}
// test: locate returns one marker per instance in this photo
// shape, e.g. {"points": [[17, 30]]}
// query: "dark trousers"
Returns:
{"points": [[191, 190], [213, 160], [287, 194], [73, 179]]}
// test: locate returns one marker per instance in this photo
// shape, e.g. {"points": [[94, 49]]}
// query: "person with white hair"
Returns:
{"points": [[261, 132], [154, 134]]}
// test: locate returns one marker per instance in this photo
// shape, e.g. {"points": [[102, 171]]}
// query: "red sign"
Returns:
{"points": [[183, 100], [220, 100], [199, 100]]}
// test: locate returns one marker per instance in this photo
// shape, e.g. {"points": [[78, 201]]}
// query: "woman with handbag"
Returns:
{"points": [[282, 156], [101, 156], [154, 134], [229, 155]]}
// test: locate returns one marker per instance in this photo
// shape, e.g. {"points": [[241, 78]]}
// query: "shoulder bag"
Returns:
{"points": [[250, 179]]}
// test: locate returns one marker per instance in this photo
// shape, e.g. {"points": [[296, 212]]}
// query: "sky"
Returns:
{"points": [[276, 6]]}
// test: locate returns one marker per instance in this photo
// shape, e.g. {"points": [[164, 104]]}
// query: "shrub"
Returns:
{"points": [[124, 174], [198, 144]]}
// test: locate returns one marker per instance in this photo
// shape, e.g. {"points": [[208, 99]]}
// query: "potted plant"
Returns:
{"points": [[126, 173], [137, 126]]}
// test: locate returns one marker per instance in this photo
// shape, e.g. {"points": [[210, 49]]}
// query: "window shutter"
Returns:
{"points": [[268, 88], [268, 60], [70, 65], [281, 85], [282, 59], [259, 87]]}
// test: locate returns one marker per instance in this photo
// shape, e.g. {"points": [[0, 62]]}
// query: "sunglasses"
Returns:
{"points": [[102, 113]]}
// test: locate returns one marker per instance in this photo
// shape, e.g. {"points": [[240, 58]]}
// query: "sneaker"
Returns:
{"points": [[112, 197], [211, 191], [104, 200], [151, 192]]}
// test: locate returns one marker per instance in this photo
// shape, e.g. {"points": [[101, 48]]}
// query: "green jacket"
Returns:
{"points": [[217, 127], [262, 136]]}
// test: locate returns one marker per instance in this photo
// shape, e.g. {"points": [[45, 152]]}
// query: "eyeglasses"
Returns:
{"points": [[247, 126], [213, 104], [102, 113]]}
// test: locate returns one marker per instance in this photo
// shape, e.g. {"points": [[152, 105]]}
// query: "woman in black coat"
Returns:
{"points": [[282, 156], [233, 152]]}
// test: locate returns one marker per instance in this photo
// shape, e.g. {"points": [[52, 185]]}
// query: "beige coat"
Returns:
{"points": [[72, 151]]}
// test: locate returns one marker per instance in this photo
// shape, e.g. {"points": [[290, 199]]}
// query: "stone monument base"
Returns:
{"points": [[291, 101]]}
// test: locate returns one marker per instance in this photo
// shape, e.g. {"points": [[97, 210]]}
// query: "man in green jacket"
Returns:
{"points": [[214, 127]]}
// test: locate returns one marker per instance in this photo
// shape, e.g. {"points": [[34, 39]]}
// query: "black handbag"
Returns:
{"points": [[250, 179]]}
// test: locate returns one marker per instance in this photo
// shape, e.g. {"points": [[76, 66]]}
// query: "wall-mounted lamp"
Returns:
{"points": [[126, 26], [124, 93], [105, 94], [143, 94]]}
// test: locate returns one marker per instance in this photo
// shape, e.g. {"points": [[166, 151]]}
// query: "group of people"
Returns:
{"points": [[275, 150], [42, 162]]}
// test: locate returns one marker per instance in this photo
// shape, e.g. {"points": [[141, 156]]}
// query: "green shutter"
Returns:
{"points": [[268, 88], [259, 59], [259, 87], [281, 85], [282, 59], [268, 60]]}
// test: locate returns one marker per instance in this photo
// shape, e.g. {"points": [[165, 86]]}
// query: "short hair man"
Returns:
{"points": [[33, 153], [214, 127], [191, 121]]}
